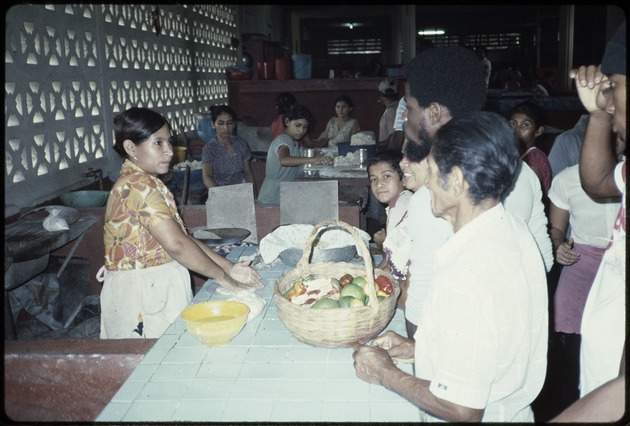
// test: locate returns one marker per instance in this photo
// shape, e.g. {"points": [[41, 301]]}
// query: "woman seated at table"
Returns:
{"points": [[342, 126], [284, 102], [226, 157], [283, 155], [148, 253]]}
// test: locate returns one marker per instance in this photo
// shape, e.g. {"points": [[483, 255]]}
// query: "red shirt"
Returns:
{"points": [[538, 161]]}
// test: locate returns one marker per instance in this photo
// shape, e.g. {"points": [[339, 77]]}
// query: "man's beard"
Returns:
{"points": [[418, 151]]}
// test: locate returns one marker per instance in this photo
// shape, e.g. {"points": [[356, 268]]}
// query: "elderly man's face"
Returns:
{"points": [[442, 200]]}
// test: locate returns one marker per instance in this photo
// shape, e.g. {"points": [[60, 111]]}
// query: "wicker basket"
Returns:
{"points": [[334, 328]]}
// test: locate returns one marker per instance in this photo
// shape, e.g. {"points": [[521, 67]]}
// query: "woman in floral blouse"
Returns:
{"points": [[148, 253]]}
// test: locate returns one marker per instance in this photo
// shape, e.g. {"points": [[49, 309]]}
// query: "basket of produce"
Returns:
{"points": [[335, 304]]}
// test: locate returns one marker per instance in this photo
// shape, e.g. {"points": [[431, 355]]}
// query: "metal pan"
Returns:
{"points": [[225, 236]]}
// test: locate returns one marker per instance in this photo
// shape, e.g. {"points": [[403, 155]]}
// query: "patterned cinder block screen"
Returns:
{"points": [[70, 68]]}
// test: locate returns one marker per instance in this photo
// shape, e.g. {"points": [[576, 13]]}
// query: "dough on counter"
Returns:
{"points": [[249, 297]]}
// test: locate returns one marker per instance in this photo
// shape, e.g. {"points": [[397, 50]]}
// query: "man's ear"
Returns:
{"points": [[540, 131], [435, 112], [457, 181]]}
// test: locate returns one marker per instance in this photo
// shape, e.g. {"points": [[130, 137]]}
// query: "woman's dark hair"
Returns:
{"points": [[533, 110], [485, 147], [137, 125], [217, 110], [346, 99], [298, 112], [284, 102], [389, 156]]}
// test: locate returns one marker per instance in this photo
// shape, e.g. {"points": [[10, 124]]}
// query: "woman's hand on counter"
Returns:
{"points": [[245, 275]]}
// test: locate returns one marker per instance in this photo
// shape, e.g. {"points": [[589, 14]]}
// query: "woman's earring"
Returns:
{"points": [[135, 159]]}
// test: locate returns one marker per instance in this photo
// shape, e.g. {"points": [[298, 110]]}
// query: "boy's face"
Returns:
{"points": [[384, 182]]}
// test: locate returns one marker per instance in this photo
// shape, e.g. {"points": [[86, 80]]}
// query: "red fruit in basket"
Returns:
{"points": [[345, 280], [384, 284]]}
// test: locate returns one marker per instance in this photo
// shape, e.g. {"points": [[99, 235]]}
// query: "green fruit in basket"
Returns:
{"points": [[344, 301], [354, 291], [356, 303], [360, 281], [325, 303]]}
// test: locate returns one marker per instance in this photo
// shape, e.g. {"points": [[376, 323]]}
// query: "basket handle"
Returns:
{"points": [[362, 248]]}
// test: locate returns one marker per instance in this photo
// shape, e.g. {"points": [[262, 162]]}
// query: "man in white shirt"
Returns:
{"points": [[481, 346]]}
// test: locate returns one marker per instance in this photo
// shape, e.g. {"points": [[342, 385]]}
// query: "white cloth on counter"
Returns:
{"points": [[295, 236], [249, 297], [350, 159], [364, 137]]}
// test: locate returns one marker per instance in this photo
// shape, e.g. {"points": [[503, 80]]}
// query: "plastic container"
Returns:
{"points": [[195, 180], [266, 70], [283, 69], [179, 154], [301, 66], [205, 132]]}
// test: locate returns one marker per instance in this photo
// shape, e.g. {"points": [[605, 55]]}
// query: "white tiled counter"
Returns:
{"points": [[265, 374]]}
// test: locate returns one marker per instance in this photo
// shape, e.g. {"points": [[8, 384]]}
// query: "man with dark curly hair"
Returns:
{"points": [[444, 83]]}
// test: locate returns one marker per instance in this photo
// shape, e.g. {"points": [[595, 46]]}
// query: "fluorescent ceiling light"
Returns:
{"points": [[431, 32]]}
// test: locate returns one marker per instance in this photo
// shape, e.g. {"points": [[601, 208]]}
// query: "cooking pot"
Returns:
{"points": [[310, 153]]}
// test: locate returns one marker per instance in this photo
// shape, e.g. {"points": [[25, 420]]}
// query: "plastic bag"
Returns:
{"points": [[40, 297], [54, 222]]}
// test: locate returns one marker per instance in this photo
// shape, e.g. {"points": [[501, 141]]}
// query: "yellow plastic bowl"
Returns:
{"points": [[215, 323]]}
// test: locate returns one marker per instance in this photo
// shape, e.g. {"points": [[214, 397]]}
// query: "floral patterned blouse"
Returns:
{"points": [[136, 203]]}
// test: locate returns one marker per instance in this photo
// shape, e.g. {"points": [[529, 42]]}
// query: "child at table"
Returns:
{"points": [[283, 155], [387, 186]]}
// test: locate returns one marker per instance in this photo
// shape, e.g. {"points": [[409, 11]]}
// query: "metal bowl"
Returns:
{"points": [[88, 198], [226, 236], [292, 256]]}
